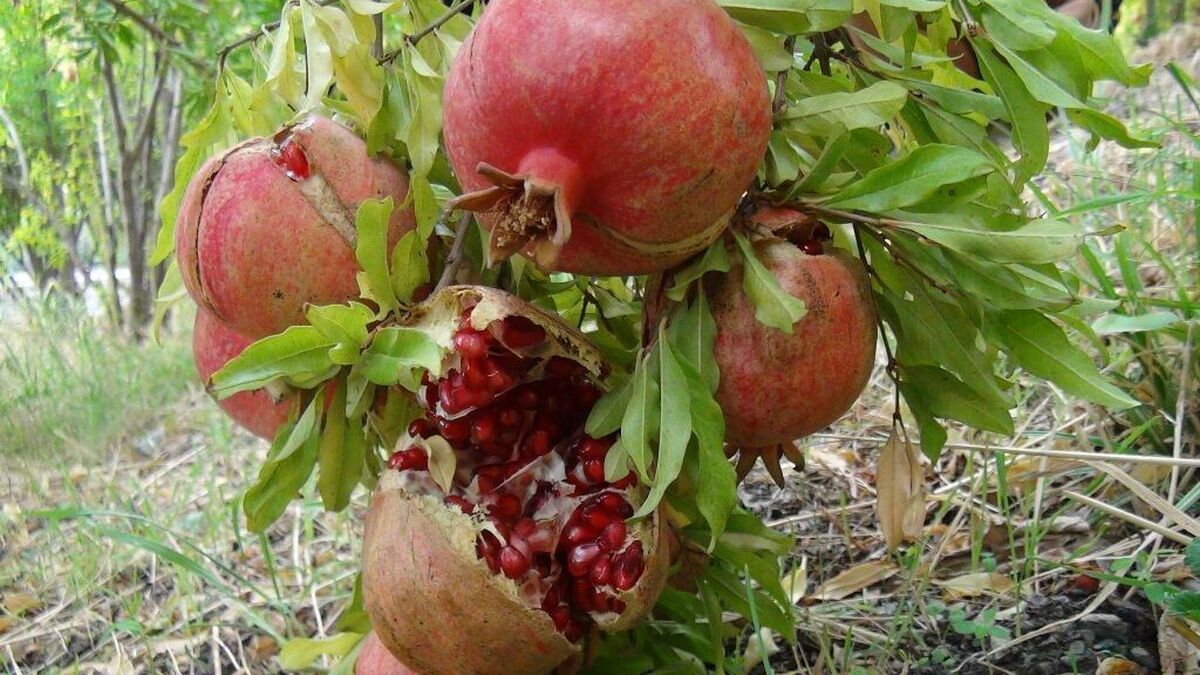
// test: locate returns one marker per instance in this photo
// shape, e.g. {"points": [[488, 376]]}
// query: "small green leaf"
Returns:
{"points": [[396, 352], [693, 332], [715, 259], [1028, 117], [609, 411], [912, 178], [410, 265], [1037, 241], [371, 224], [340, 455], [640, 422], [1109, 127], [1112, 324], [773, 306], [945, 396], [675, 426], [296, 351], [716, 484], [1191, 556], [344, 324], [866, 108], [302, 653], [1041, 348], [283, 474]]}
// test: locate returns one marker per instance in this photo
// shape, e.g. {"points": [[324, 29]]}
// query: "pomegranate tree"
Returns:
{"points": [[215, 344], [777, 386], [495, 524], [268, 226], [605, 138]]}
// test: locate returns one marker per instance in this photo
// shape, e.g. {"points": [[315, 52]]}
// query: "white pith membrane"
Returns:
{"points": [[513, 465]]}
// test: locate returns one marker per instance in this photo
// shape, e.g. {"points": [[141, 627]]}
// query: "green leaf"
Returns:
{"points": [[1026, 17], [789, 17], [1109, 127], [716, 484], [1191, 556], [911, 178], [302, 653], [296, 351], [693, 333], [171, 555], [1113, 324], [1028, 117], [945, 396], [715, 259], [344, 324], [773, 306], [340, 456], [1041, 348], [606, 417], [870, 107], [675, 425], [283, 474], [1039, 241], [396, 352], [410, 265], [1039, 85], [641, 419], [371, 251]]}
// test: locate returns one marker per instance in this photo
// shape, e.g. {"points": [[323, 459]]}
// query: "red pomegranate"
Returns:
{"points": [[214, 345], [375, 659], [605, 138], [776, 387], [268, 226], [494, 541]]}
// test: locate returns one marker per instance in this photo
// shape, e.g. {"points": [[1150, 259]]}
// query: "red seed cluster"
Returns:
{"points": [[291, 158], [502, 409]]}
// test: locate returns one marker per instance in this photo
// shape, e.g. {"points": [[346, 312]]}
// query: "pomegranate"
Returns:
{"points": [[375, 659], [776, 387], [268, 226], [605, 138], [495, 532], [214, 345]]}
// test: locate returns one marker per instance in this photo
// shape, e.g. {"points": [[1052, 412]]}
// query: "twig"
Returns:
{"points": [[780, 104], [455, 258], [411, 40], [223, 53]]}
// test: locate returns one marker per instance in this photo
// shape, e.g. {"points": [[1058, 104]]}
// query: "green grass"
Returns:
{"points": [[71, 386]]}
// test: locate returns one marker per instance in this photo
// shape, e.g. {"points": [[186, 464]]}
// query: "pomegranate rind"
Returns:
{"points": [[375, 659], [215, 344], [435, 605], [255, 246], [776, 387]]}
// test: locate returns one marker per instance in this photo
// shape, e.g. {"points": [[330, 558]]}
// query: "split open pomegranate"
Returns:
{"points": [[494, 529]]}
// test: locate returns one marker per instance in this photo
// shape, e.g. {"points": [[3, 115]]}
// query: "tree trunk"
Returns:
{"points": [[112, 243]]}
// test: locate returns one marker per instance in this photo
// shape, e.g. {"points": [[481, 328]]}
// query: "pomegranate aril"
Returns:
{"points": [[471, 344], [594, 470], [560, 616], [581, 595], [580, 559], [578, 534], [483, 429], [599, 600], [597, 518], [525, 528], [613, 536], [812, 247], [513, 563], [507, 507], [455, 430], [614, 503], [629, 567], [473, 375], [495, 377], [536, 444], [628, 481], [591, 448], [421, 427], [528, 398], [291, 158], [601, 571], [411, 459], [616, 605], [574, 631], [518, 332], [487, 547]]}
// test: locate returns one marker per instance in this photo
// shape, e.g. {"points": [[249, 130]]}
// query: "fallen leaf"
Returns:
{"points": [[900, 492], [19, 603], [753, 656], [796, 581], [6, 623], [854, 580], [975, 584], [1115, 665], [1176, 654]]}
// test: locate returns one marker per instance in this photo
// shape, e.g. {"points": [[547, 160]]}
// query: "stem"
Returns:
{"points": [[411, 40], [455, 258], [780, 103]]}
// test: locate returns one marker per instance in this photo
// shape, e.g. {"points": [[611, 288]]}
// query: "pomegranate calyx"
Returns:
{"points": [[771, 456]]}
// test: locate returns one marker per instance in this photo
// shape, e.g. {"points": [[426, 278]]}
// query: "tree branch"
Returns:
{"points": [[411, 40], [455, 258], [223, 52], [158, 33]]}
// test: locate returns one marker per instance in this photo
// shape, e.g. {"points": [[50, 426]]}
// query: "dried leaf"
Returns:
{"points": [[6, 623], [19, 603], [855, 579], [900, 488], [796, 581], [975, 584], [1176, 654], [1115, 665], [442, 461]]}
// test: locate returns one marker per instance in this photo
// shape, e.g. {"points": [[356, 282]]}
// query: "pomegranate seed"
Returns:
{"points": [[507, 507], [513, 563], [581, 594], [591, 448], [551, 600], [579, 560], [599, 600], [518, 332], [511, 418], [529, 399], [601, 571], [613, 502], [629, 568], [574, 631], [596, 517], [537, 444], [560, 616], [594, 470], [455, 430], [525, 528], [812, 247], [487, 547], [461, 502], [616, 605], [471, 344], [421, 427], [559, 366], [497, 379], [473, 375], [613, 536], [483, 429], [578, 534], [291, 158], [626, 482], [447, 396]]}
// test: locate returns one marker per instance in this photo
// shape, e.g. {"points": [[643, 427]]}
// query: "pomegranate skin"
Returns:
{"points": [[214, 345], [375, 659], [255, 246], [418, 555], [777, 387], [645, 121]]}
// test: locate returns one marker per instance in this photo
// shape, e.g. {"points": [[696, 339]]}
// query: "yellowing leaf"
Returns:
{"points": [[442, 461], [19, 603], [796, 581], [900, 488], [975, 584], [855, 579]]}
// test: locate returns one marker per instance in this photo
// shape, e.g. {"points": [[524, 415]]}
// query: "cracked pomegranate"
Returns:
{"points": [[777, 387], [605, 138], [214, 345], [375, 659], [268, 226], [495, 530]]}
